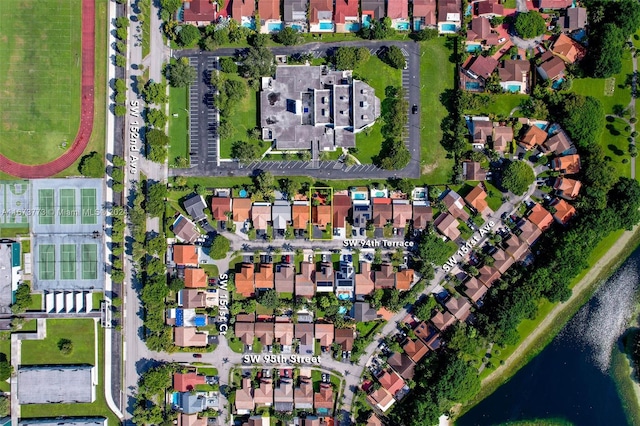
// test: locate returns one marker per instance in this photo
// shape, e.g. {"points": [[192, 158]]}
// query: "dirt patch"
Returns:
{"points": [[428, 168]]}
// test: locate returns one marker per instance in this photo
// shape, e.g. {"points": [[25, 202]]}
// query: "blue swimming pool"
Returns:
{"points": [[175, 398], [342, 310], [556, 84], [249, 24], [359, 197], [553, 128], [326, 26], [448, 28], [243, 193], [473, 48], [366, 21], [275, 26], [402, 26], [541, 125], [472, 85], [352, 26], [297, 27], [379, 194], [344, 296], [468, 11], [324, 411], [513, 88]]}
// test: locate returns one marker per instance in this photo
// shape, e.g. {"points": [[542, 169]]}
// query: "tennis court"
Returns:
{"points": [[67, 206], [88, 206], [47, 261], [68, 261], [45, 202], [89, 261]]}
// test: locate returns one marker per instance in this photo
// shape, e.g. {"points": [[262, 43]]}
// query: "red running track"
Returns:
{"points": [[27, 171]]}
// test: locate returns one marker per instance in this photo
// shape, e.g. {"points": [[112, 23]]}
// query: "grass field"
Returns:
{"points": [[243, 118], [40, 109], [79, 331], [145, 12], [501, 105], [178, 126], [615, 144], [436, 76]]}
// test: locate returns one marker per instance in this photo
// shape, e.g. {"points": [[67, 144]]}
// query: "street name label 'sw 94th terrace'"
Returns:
{"points": [[468, 246], [134, 136], [376, 243], [280, 359]]}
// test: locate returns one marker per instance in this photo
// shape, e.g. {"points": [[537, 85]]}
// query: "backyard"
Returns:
{"points": [[243, 118], [500, 105], [178, 124]]}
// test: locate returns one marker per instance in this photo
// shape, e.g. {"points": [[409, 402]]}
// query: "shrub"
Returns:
{"points": [[65, 346]]}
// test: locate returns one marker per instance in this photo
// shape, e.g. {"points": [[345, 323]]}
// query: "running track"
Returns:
{"points": [[86, 107]]}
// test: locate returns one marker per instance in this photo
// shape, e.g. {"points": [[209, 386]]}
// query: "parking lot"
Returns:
{"points": [[203, 117]]}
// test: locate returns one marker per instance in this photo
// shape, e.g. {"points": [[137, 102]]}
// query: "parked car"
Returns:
{"points": [[287, 258], [414, 109], [197, 355]]}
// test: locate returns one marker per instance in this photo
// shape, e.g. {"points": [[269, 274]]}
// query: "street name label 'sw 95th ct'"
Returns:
{"points": [[280, 359]]}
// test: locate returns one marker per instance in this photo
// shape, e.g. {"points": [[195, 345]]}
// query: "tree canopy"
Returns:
{"points": [[244, 151], [258, 62], [395, 58], [348, 58], [220, 247], [157, 142], [529, 24], [91, 165], [582, 117], [188, 36], [268, 299], [517, 177], [287, 36], [180, 73]]}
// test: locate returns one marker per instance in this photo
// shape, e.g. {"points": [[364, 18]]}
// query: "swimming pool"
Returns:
{"points": [[553, 128], [326, 26], [541, 125], [175, 398], [556, 84], [472, 85], [352, 26], [344, 296], [448, 28], [275, 26], [243, 193], [359, 197], [297, 27], [249, 24], [468, 11], [514, 88], [379, 194], [366, 21], [322, 410], [402, 26], [473, 48], [342, 310]]}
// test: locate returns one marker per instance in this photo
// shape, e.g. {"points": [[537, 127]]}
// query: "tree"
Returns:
{"points": [[517, 177], [582, 118], [258, 62], [180, 73], [120, 110], [5, 405], [345, 58], [220, 247], [624, 199], [264, 182], [91, 165], [457, 381], [432, 249], [424, 309], [156, 117], [395, 58], [176, 284], [157, 245], [231, 93], [5, 368], [155, 267], [530, 24], [244, 151], [154, 93], [258, 40], [290, 186], [228, 65], [156, 195], [65, 346], [269, 299], [287, 36], [425, 34], [188, 36], [171, 6], [157, 142], [394, 155]]}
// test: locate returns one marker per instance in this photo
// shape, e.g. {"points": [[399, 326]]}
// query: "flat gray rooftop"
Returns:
{"points": [[66, 421], [51, 384], [6, 251]]}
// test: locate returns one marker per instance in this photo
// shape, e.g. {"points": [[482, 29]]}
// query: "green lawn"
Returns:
{"points": [[5, 349], [236, 345], [178, 126], [208, 371], [25, 245], [615, 144], [40, 107], [436, 76], [145, 12], [211, 270], [500, 106], [79, 331], [243, 118], [36, 302], [97, 297]]}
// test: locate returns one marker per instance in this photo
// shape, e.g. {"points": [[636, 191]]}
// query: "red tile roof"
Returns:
{"points": [[344, 9], [186, 382], [540, 217], [185, 255]]}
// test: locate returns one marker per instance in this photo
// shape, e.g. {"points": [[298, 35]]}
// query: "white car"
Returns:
{"points": [[501, 40]]}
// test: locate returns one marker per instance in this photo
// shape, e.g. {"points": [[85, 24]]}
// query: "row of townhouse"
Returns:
{"points": [[320, 16]]}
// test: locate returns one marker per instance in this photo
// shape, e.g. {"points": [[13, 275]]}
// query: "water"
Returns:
{"points": [[366, 21], [514, 88], [473, 48], [448, 28], [570, 378], [275, 26], [472, 85], [326, 26], [352, 27], [403, 26]]}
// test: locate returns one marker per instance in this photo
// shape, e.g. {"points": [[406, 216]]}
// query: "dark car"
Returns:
{"points": [[197, 355], [414, 109]]}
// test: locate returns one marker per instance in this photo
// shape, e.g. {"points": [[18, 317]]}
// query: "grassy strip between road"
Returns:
{"points": [[587, 282], [178, 123]]}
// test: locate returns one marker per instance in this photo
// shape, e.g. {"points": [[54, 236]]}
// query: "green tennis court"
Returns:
{"points": [[89, 261], [88, 206], [47, 262], [68, 261], [45, 201], [67, 206]]}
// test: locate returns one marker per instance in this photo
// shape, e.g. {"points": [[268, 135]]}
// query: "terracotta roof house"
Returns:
{"points": [[364, 280], [281, 214], [284, 277], [567, 188], [305, 336], [345, 337], [459, 307], [191, 420], [558, 143], [382, 212], [321, 216], [198, 12], [568, 49], [264, 332], [442, 320], [263, 278], [324, 277], [424, 331], [540, 217], [480, 30], [185, 230], [514, 75], [402, 365], [422, 216], [481, 67], [195, 278], [489, 274], [263, 395], [323, 398], [193, 298], [186, 382], [569, 164], [373, 10], [341, 210], [242, 11], [303, 395], [474, 290], [402, 211], [455, 205], [241, 209], [530, 232], [374, 420], [482, 129], [244, 397], [564, 212], [533, 138], [575, 19], [449, 16], [415, 349], [324, 333], [381, 398], [219, 207], [185, 255], [435, 341], [554, 4], [516, 248], [489, 8], [447, 225], [347, 16], [502, 137], [363, 312], [404, 279], [269, 12], [552, 69], [320, 11], [283, 333], [391, 381], [502, 262], [398, 12], [244, 280], [304, 282], [189, 337], [283, 396], [472, 170], [261, 215], [245, 332], [476, 198], [301, 214], [424, 14], [385, 277]]}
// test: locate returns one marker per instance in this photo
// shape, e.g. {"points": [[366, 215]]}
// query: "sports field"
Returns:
{"points": [[45, 201], [89, 261], [47, 261], [40, 67]]}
